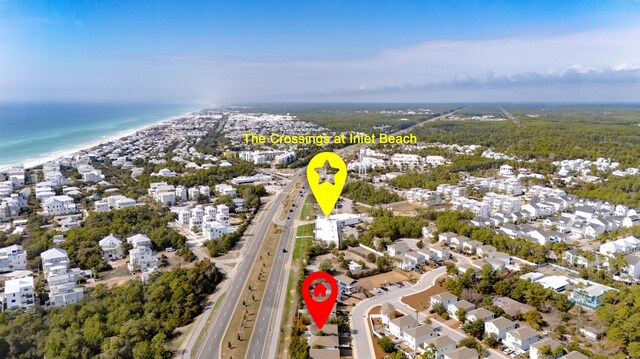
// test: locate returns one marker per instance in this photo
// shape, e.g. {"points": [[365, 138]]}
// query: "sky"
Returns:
{"points": [[320, 51]]}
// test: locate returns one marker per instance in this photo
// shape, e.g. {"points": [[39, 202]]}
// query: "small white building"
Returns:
{"points": [[506, 170], [346, 285]]}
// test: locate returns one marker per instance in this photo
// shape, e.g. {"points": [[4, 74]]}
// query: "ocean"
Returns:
{"points": [[33, 131]]}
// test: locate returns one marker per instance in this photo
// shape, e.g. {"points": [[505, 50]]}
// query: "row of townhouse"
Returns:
{"points": [[451, 191], [478, 208], [15, 174], [263, 157], [531, 233], [407, 259], [523, 338], [424, 196], [421, 338], [489, 253], [509, 186], [502, 203]]}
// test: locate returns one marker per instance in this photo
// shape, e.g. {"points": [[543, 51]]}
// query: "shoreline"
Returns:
{"points": [[41, 160]]}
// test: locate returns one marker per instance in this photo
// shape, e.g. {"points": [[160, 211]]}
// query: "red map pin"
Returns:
{"points": [[320, 291]]}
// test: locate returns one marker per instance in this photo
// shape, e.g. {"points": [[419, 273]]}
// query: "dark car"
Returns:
{"points": [[284, 250]]}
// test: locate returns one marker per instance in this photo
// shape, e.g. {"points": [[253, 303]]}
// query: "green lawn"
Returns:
{"points": [[307, 209], [305, 231]]}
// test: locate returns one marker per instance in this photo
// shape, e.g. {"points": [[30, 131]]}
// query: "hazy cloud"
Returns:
{"points": [[599, 65]]}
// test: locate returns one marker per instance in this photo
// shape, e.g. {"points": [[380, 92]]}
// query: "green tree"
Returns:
{"points": [[386, 344], [534, 319], [475, 328]]}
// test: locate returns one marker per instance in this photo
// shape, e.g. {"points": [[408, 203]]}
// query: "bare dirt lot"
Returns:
{"points": [[420, 301], [379, 280]]}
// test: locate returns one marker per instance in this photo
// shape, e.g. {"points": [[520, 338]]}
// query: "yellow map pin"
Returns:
{"points": [[326, 174]]}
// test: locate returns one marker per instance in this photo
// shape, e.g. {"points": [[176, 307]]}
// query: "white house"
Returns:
{"points": [[354, 266], [499, 327], [574, 355], [633, 266], [416, 336], [387, 312], [58, 205], [534, 353], [111, 248], [213, 230], [19, 293], [346, 285], [53, 257], [398, 248], [398, 325], [142, 258], [445, 299], [12, 258], [486, 250], [225, 190], [480, 314], [521, 338], [63, 289], [438, 346], [461, 353], [405, 263], [461, 304], [139, 240]]}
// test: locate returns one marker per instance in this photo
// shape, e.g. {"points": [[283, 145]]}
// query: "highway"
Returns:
{"points": [[267, 320], [264, 339], [256, 233]]}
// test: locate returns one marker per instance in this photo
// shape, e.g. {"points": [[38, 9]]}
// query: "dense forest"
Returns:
{"points": [[133, 320], [364, 192], [553, 135], [618, 190], [621, 314]]}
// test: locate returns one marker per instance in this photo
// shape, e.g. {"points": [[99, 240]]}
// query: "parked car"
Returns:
{"points": [[170, 249]]}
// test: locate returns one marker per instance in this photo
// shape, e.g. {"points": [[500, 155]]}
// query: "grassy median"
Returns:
{"points": [[238, 334]]}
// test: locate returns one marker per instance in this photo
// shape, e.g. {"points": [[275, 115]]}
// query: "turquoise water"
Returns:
{"points": [[34, 130]]}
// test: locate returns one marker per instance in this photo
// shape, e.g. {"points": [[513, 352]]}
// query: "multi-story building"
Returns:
{"points": [[12, 258], [19, 293]]}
